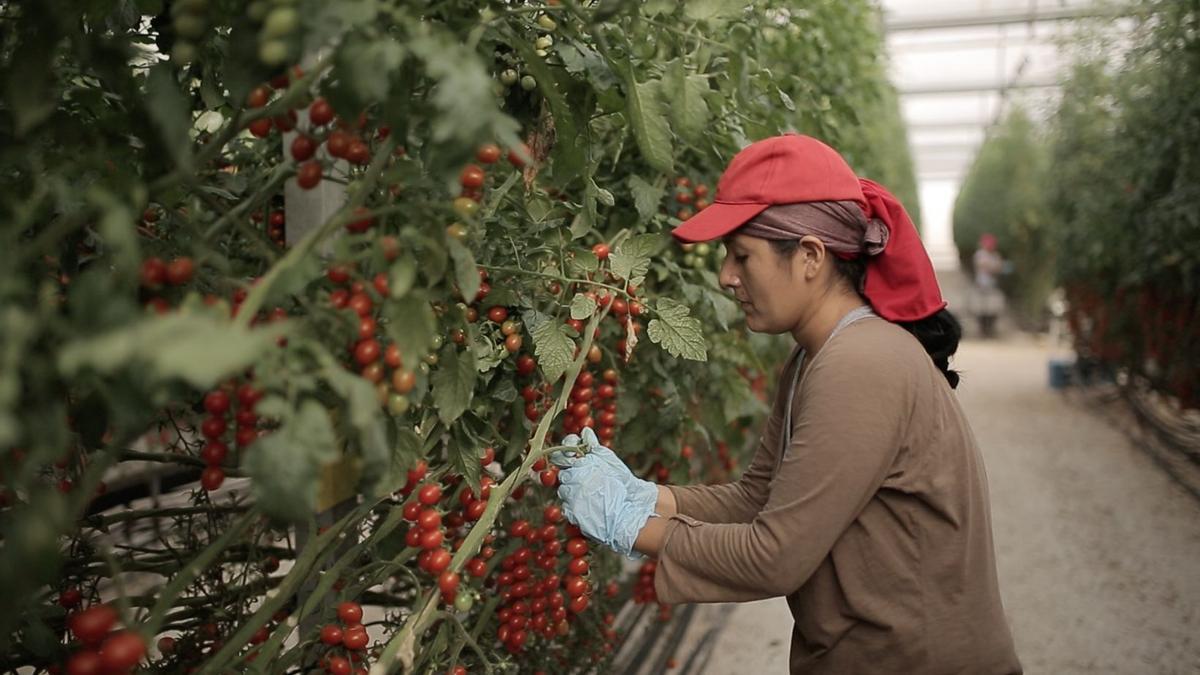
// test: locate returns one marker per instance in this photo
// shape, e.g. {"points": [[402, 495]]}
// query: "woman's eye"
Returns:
{"points": [[740, 258]]}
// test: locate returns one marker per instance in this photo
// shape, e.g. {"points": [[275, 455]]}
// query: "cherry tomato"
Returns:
{"points": [[601, 251], [212, 477], [180, 271], [367, 351], [154, 272], [517, 155], [259, 96], [303, 147], [355, 638], [85, 662], [429, 494], [448, 582], [429, 519], [439, 560], [309, 174], [471, 177], [214, 453], [91, 625], [403, 381], [577, 547], [513, 343], [497, 314], [261, 128], [320, 112], [216, 402], [489, 153], [350, 613], [526, 365]]}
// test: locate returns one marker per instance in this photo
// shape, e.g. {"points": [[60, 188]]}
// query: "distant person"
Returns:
{"points": [[989, 301]]}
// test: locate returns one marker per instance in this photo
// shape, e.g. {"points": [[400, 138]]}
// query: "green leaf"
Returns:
{"points": [[411, 325], [464, 455], [118, 229], [454, 383], [293, 279], [368, 66], [463, 93], [582, 307], [465, 272], [688, 110], [705, 10], [402, 276], [201, 349], [646, 197], [649, 121], [676, 331], [286, 464], [582, 263], [170, 111], [553, 348], [631, 259]]}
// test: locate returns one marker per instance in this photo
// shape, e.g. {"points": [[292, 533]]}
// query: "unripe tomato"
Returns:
{"points": [[513, 343], [466, 207], [403, 381]]}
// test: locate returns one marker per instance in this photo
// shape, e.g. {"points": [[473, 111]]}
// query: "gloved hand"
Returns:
{"points": [[595, 496], [639, 491]]}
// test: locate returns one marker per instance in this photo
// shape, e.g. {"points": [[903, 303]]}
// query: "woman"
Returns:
{"points": [[988, 301], [866, 503]]}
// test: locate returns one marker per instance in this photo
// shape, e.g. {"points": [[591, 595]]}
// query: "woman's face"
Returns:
{"points": [[774, 291]]}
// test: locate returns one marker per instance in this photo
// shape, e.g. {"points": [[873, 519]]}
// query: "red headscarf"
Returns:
{"points": [[789, 169]]}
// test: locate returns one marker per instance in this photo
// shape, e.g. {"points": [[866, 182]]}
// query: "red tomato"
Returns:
{"points": [[331, 634], [355, 638], [601, 251], [471, 177], [180, 271], [429, 519], [350, 613], [448, 582], [516, 156], [431, 539], [497, 314], [85, 662], [309, 174], [154, 272], [577, 547], [526, 365], [121, 652], [320, 112], [488, 153], [259, 96], [339, 665], [439, 560], [429, 494], [91, 625], [303, 147], [216, 402], [367, 351], [211, 478]]}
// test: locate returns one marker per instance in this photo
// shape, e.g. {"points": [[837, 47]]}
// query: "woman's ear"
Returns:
{"points": [[810, 256]]}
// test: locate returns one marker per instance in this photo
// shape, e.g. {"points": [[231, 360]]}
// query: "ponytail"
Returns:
{"points": [[939, 335]]}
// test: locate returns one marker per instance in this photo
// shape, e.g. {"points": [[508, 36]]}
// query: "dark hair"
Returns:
{"points": [[938, 334]]}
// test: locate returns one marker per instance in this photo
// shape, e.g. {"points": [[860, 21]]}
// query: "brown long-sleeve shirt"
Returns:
{"points": [[876, 528]]}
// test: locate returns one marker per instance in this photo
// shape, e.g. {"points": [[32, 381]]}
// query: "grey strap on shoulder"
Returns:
{"points": [[785, 437]]}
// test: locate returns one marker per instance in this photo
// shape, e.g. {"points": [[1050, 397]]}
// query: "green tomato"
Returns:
{"points": [[689, 260], [528, 83], [509, 77], [431, 359], [437, 342], [423, 368], [546, 22], [273, 52], [464, 602], [398, 404], [281, 22], [699, 263], [544, 42], [703, 249], [466, 207], [688, 248], [542, 53]]}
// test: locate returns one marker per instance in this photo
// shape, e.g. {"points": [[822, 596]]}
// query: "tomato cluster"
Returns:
{"points": [[691, 200], [101, 651], [215, 428]]}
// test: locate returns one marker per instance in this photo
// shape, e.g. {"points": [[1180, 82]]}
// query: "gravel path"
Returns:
{"points": [[1098, 550]]}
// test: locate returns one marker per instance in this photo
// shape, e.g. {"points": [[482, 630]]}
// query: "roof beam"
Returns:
{"points": [[896, 24], [974, 87]]}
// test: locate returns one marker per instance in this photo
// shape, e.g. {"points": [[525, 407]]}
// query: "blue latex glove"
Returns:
{"points": [[639, 491], [587, 486]]}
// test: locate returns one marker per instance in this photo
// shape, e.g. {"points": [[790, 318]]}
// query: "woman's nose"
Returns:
{"points": [[726, 277]]}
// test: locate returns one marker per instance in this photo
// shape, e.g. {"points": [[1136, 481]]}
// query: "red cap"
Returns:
{"points": [[788, 169], [779, 170]]}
